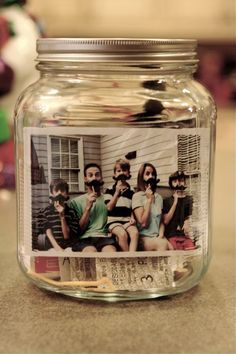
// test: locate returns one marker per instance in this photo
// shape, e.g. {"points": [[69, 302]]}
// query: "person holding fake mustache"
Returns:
{"points": [[57, 224], [92, 214], [147, 207], [177, 211], [118, 199]]}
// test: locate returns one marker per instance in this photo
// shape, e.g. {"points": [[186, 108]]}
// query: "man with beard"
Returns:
{"points": [[121, 222], [92, 213], [177, 210]]}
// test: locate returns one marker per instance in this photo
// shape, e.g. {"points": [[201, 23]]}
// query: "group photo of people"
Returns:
{"points": [[116, 218]]}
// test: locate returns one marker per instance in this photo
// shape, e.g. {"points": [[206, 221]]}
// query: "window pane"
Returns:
{"points": [[55, 160], [74, 163], [55, 145], [74, 176], [65, 175], [74, 146], [74, 187], [64, 145], [65, 161], [55, 174]]}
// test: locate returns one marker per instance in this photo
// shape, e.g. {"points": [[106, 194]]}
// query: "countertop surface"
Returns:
{"points": [[202, 320]]}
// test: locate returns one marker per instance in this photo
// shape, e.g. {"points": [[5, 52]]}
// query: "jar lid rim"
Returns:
{"points": [[117, 50], [113, 45]]}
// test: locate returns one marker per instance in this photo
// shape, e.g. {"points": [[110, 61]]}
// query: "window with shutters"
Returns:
{"points": [[66, 161], [189, 162], [189, 154]]}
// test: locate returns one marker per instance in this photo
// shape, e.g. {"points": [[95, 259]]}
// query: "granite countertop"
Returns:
{"points": [[201, 320]]}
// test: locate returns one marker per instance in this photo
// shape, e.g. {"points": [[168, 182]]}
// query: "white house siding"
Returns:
{"points": [[40, 145], [92, 149], [40, 191], [150, 145]]}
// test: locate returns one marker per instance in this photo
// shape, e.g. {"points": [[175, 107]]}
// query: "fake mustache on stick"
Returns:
{"points": [[179, 188], [121, 177], [94, 183], [153, 183], [59, 198]]}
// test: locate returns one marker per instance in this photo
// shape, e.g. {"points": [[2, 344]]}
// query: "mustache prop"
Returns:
{"points": [[58, 198], [94, 183], [153, 183], [122, 177], [178, 188]]}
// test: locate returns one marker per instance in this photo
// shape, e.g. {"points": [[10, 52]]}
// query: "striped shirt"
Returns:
{"points": [[49, 218], [123, 208]]}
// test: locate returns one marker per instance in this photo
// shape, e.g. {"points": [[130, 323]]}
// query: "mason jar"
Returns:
{"points": [[115, 154]]}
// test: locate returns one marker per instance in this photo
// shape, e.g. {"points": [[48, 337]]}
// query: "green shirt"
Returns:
{"points": [[96, 226]]}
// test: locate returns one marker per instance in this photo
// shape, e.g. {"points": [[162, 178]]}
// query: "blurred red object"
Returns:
{"points": [[7, 165], [211, 76], [4, 31]]}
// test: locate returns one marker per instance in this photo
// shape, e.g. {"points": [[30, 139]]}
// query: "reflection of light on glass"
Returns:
{"points": [[186, 91], [47, 102], [52, 91], [44, 108]]}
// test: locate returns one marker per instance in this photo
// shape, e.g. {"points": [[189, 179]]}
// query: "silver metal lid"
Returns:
{"points": [[116, 49]]}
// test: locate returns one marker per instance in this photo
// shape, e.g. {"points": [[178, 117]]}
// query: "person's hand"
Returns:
{"points": [[149, 194], [91, 198], [60, 208], [132, 221], [119, 185]]}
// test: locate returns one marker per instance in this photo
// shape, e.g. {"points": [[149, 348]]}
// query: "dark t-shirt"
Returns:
{"points": [[182, 212]]}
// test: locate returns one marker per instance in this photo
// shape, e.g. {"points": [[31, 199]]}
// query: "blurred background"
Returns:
{"points": [[22, 22]]}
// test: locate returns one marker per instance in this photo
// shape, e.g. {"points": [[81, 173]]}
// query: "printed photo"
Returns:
{"points": [[117, 192]]}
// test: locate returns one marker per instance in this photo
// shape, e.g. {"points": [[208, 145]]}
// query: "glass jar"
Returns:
{"points": [[115, 151]]}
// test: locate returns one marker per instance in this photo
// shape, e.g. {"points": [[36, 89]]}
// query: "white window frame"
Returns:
{"points": [[80, 157]]}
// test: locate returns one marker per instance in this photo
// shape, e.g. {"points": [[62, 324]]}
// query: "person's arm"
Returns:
{"points": [[186, 227], [168, 216], [52, 240], [132, 219], [112, 203], [161, 230], [143, 214], [65, 228], [91, 198], [74, 223]]}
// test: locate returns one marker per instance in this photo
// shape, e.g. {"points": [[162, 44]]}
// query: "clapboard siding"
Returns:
{"points": [[40, 195], [40, 145], [150, 146], [40, 192], [92, 149]]}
